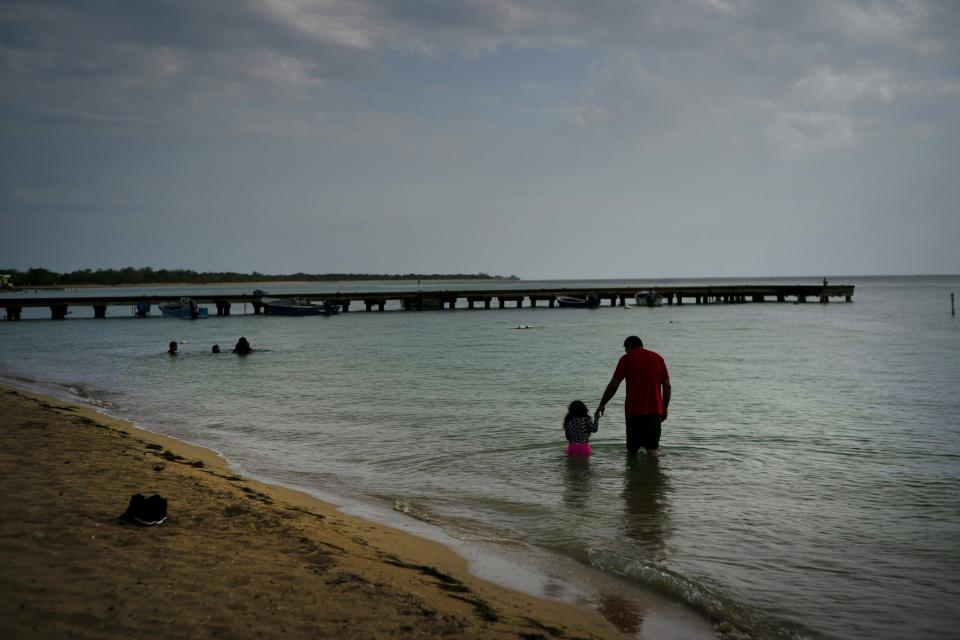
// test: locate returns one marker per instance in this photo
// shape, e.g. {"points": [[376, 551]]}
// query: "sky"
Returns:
{"points": [[545, 139]]}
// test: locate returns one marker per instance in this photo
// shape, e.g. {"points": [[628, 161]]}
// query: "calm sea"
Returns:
{"points": [[809, 484]]}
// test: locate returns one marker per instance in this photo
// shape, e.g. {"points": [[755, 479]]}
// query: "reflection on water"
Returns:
{"points": [[625, 615], [645, 490], [577, 482]]}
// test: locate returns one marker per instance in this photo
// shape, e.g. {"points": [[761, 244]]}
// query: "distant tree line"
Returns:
{"points": [[40, 277]]}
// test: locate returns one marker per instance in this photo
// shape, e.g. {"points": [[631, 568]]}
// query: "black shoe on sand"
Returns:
{"points": [[145, 511]]}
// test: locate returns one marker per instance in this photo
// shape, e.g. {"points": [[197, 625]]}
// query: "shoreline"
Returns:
{"points": [[71, 470]]}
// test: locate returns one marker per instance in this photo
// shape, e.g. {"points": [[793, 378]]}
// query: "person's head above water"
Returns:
{"points": [[215, 348], [632, 342], [578, 408], [172, 347]]}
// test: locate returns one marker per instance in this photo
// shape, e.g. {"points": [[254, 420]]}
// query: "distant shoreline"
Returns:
{"points": [[41, 278], [258, 283]]}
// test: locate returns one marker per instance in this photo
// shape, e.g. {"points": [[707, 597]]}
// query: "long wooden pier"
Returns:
{"points": [[448, 299]]}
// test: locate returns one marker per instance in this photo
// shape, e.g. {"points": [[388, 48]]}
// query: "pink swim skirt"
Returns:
{"points": [[578, 449]]}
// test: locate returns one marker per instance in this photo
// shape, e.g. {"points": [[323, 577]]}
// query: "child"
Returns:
{"points": [[578, 426]]}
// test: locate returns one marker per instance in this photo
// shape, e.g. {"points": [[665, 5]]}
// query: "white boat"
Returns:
{"points": [[297, 307], [184, 308], [649, 298]]}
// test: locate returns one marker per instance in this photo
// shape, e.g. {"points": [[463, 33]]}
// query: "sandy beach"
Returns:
{"points": [[236, 558]]}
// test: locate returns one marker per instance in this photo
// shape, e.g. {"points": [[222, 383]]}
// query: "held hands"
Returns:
{"points": [[599, 412]]}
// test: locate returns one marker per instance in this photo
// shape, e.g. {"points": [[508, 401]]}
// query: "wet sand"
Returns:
{"points": [[235, 559]]}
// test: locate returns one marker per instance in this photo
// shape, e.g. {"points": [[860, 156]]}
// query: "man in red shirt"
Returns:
{"points": [[648, 395]]}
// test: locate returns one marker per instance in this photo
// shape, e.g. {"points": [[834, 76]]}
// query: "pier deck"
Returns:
{"points": [[448, 299]]}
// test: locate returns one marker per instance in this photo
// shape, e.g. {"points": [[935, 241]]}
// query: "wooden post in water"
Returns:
{"points": [[953, 309]]}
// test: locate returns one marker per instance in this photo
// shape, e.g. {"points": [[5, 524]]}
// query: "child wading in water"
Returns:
{"points": [[578, 426]]}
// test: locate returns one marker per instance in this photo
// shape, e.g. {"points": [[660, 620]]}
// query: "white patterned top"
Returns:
{"points": [[578, 428]]}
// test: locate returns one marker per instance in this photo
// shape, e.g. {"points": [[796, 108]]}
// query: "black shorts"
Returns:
{"points": [[643, 431]]}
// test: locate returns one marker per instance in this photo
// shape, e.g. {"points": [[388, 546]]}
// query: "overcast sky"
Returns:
{"points": [[546, 139]]}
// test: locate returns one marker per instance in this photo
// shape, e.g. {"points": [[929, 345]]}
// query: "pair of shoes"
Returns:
{"points": [[145, 511]]}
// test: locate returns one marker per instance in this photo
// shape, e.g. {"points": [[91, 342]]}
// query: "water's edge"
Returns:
{"points": [[522, 567]]}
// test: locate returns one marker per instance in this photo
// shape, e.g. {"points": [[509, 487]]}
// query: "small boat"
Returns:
{"points": [[589, 301], [649, 298], [184, 308], [298, 307]]}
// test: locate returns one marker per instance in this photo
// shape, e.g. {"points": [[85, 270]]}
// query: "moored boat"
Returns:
{"points": [[589, 301], [298, 307], [184, 308], [649, 298]]}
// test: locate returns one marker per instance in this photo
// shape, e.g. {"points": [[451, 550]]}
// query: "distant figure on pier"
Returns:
{"points": [[242, 347], [648, 395], [215, 348], [578, 426], [825, 282], [172, 348]]}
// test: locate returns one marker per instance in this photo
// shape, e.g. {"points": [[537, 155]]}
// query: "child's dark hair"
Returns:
{"points": [[577, 408]]}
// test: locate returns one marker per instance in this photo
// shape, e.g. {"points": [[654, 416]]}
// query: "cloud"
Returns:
{"points": [[174, 66], [810, 77], [68, 200], [336, 22], [800, 132], [295, 66], [823, 86], [587, 117], [883, 22], [816, 113]]}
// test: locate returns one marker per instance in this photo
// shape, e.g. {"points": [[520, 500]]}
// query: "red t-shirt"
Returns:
{"points": [[644, 371]]}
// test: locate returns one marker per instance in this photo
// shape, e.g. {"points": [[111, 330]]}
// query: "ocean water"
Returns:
{"points": [[809, 484]]}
